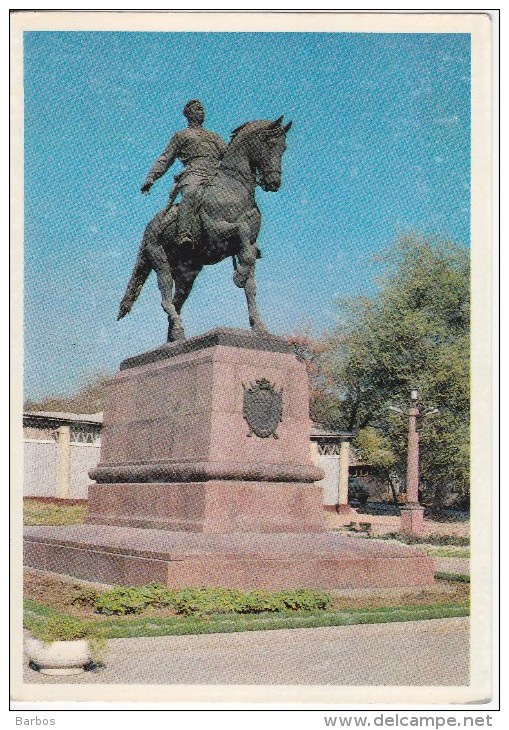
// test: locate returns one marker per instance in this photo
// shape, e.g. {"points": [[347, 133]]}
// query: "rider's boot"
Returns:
{"points": [[185, 239]]}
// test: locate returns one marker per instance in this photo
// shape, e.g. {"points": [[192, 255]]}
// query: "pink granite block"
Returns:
{"points": [[203, 391], [213, 506], [114, 444], [412, 520], [163, 435], [151, 397], [120, 400], [109, 401], [237, 560], [185, 496], [203, 396], [192, 439], [139, 440]]}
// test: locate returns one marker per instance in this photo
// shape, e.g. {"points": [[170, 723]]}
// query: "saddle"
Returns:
{"points": [[169, 215], [169, 218]]}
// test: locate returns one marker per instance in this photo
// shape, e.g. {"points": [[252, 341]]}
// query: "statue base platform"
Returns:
{"points": [[217, 506], [136, 556], [206, 479]]}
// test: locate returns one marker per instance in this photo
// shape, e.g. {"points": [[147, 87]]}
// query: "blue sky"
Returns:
{"points": [[380, 145]]}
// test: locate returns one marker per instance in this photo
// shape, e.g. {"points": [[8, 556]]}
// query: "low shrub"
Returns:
{"points": [[457, 540], [199, 601], [358, 491], [59, 628], [121, 601], [85, 597]]}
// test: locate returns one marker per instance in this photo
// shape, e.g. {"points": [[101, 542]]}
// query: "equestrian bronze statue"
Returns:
{"points": [[200, 152], [221, 220]]}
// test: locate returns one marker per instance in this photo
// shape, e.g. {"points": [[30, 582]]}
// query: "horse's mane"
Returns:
{"points": [[238, 136]]}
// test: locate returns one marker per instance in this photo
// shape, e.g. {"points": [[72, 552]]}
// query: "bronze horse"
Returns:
{"points": [[226, 223]]}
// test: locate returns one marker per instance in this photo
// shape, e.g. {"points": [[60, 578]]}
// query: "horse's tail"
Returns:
{"points": [[142, 269]]}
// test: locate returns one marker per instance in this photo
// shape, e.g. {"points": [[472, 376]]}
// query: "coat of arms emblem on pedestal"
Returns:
{"points": [[263, 408]]}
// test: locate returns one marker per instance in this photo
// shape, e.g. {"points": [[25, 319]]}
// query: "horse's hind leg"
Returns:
{"points": [[175, 329], [161, 266], [254, 317], [184, 280]]}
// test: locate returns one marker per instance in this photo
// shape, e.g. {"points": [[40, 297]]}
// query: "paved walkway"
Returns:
{"points": [[413, 653]]}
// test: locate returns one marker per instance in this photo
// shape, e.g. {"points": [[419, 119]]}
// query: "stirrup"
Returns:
{"points": [[185, 239]]}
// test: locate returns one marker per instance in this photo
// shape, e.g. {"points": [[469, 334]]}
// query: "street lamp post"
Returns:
{"points": [[412, 514]]}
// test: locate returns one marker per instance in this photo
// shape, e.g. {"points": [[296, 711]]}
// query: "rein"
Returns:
{"points": [[237, 175], [247, 182]]}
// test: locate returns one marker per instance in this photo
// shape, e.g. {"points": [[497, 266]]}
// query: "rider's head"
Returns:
{"points": [[194, 111]]}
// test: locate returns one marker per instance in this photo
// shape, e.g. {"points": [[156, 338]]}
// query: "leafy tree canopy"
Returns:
{"points": [[414, 332], [88, 399]]}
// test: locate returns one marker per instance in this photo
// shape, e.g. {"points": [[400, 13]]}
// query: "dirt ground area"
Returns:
{"points": [[66, 512], [57, 592], [382, 524]]}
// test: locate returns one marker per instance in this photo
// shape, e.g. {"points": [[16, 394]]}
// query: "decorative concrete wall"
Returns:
{"points": [[83, 458], [330, 482], [40, 468], [59, 451]]}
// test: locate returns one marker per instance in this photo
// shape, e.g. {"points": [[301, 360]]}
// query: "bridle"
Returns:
{"points": [[237, 175], [253, 178]]}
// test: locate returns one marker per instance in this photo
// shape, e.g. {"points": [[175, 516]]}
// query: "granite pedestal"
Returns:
{"points": [[188, 494], [246, 560]]}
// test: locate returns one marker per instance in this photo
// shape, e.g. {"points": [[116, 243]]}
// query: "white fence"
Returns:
{"points": [[83, 458], [59, 468], [40, 468], [49, 473], [330, 482]]}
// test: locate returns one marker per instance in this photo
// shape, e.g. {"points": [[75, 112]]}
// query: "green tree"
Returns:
{"points": [[414, 332], [376, 450], [88, 399]]}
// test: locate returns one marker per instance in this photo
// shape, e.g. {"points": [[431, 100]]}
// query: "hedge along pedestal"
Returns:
{"points": [[206, 479]]}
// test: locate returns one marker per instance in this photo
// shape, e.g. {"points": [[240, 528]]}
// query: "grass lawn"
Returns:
{"points": [[48, 596], [136, 626], [47, 513], [456, 577], [444, 552]]}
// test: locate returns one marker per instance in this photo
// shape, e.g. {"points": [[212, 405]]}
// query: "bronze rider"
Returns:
{"points": [[200, 152]]}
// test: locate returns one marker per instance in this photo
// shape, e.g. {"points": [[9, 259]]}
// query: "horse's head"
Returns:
{"points": [[264, 143], [268, 149]]}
